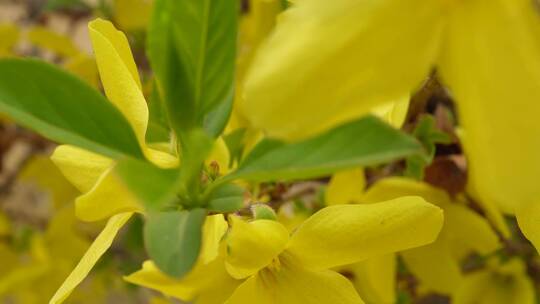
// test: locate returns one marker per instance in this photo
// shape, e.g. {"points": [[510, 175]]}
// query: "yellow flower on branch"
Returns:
{"points": [[271, 266]]}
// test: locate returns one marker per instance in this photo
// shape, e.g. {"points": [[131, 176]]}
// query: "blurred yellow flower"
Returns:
{"points": [[367, 53]]}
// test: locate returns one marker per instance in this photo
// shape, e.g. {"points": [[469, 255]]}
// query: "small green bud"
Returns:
{"points": [[263, 212]]}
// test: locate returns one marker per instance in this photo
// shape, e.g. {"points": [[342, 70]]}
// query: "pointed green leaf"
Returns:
{"points": [[173, 239], [154, 187], [192, 46], [363, 142], [226, 198], [63, 108]]}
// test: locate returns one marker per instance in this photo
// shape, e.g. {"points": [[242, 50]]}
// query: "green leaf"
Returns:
{"points": [[192, 49], [363, 142], [63, 108], [226, 198], [173, 240], [154, 187], [263, 212], [235, 144], [158, 126], [216, 120], [429, 135]]}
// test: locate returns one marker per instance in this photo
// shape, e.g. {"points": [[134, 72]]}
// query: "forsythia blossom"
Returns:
{"points": [[271, 266]]}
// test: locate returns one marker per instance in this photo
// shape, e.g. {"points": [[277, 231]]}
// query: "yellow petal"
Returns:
{"points": [[491, 63], [161, 159], [394, 113], [52, 41], [254, 27], [466, 230], [469, 231], [207, 283], [375, 279], [434, 267], [344, 70], [394, 187], [345, 187], [90, 258], [214, 228], [119, 74], [150, 277], [291, 285], [507, 285], [108, 197], [252, 246], [82, 168], [346, 234]]}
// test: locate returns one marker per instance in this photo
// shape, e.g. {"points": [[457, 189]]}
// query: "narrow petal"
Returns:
{"points": [[345, 187], [119, 74], [339, 74], [151, 277], [375, 279], [252, 246], [82, 168], [108, 197], [346, 234], [90, 258], [214, 229], [434, 266], [491, 63], [295, 285]]}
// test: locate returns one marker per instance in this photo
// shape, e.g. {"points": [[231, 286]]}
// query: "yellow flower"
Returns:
{"points": [[498, 284], [366, 53], [104, 195], [436, 265], [271, 266]]}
